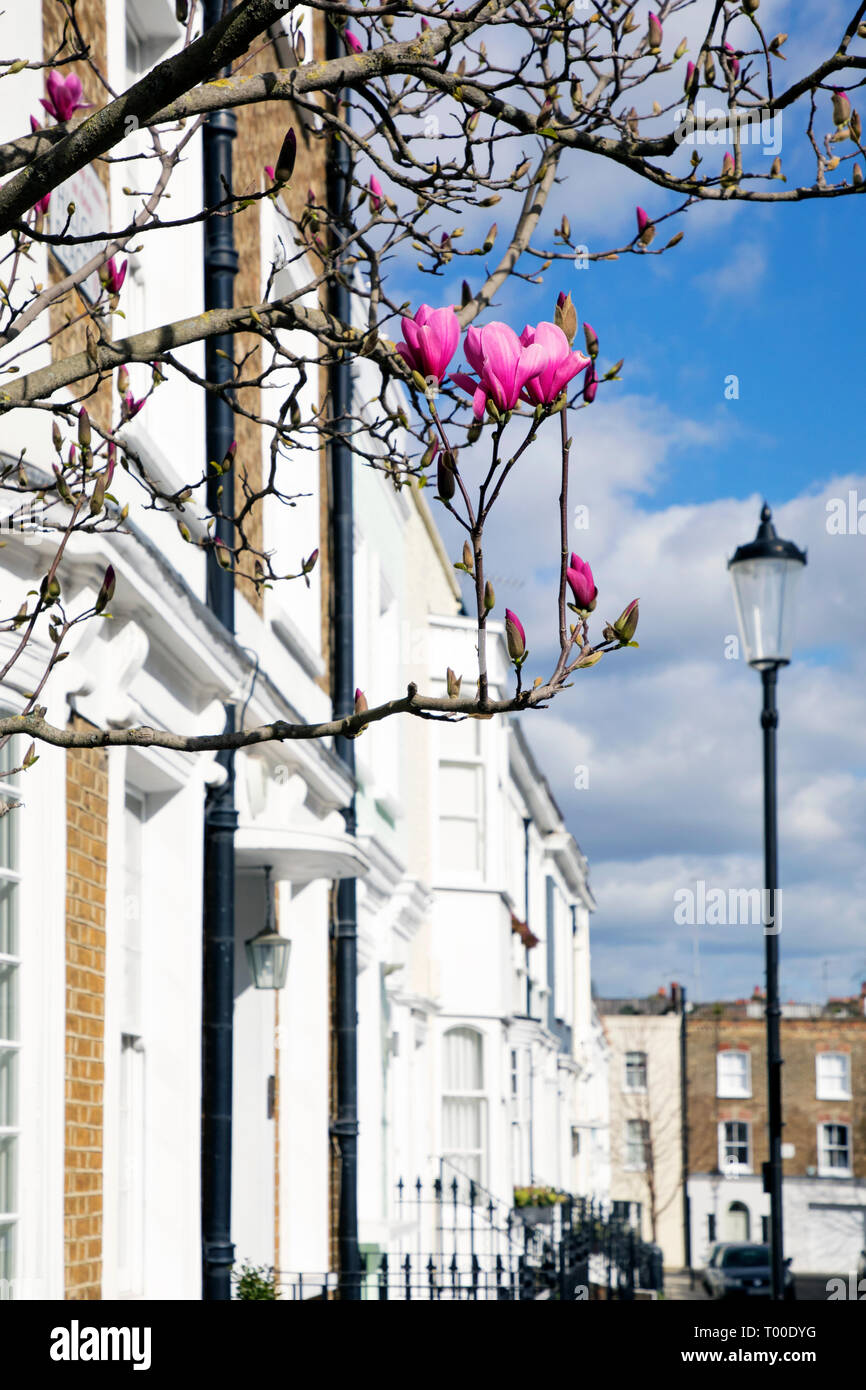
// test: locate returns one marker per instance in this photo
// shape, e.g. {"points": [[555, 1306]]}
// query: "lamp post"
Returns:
{"points": [[765, 573]]}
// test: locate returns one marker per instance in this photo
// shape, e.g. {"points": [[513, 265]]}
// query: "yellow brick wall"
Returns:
{"points": [[86, 857], [58, 39], [261, 130]]}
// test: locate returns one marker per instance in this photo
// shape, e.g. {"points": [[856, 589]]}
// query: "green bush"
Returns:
{"points": [[255, 1282]]}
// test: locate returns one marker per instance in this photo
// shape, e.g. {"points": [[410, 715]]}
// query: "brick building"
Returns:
{"points": [[824, 1136]]}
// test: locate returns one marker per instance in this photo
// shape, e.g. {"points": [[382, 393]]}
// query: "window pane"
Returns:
{"points": [[8, 1001], [8, 835], [463, 1060], [459, 790], [461, 740], [7, 1253], [8, 917], [7, 1174], [459, 846], [461, 1124], [8, 1087]]}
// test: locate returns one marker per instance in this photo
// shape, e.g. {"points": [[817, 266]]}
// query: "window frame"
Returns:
{"points": [[821, 1090], [643, 1066], [628, 1164], [726, 1091], [726, 1166], [826, 1170], [477, 1096]]}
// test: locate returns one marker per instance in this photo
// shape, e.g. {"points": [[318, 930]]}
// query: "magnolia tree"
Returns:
{"points": [[440, 113]]}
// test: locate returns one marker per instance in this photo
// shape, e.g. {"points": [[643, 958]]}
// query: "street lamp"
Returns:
{"points": [[267, 951], [765, 575]]}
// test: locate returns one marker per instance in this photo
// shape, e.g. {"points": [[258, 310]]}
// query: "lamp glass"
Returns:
{"points": [[268, 959], [765, 596]]}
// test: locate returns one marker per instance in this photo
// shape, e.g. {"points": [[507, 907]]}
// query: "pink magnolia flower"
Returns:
{"points": [[654, 33], [41, 207], [64, 96], [431, 339], [34, 125], [351, 41], [561, 365], [732, 59], [515, 637], [269, 170], [375, 193], [642, 220], [690, 72], [581, 583], [112, 277], [728, 166], [504, 365]]}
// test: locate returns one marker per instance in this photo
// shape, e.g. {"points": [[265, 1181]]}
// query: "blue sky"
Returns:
{"points": [[673, 474]]}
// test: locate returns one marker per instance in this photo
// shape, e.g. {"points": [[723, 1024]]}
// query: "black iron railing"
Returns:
{"points": [[455, 1241]]}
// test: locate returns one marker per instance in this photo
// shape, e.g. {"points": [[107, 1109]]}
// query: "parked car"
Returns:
{"points": [[742, 1271]]}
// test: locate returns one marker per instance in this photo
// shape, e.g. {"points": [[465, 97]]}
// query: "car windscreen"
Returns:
{"points": [[747, 1257]]}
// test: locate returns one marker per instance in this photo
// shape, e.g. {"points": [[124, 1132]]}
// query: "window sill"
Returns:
{"points": [[845, 1173], [733, 1095]]}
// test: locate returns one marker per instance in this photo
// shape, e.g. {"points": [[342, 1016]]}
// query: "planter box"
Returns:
{"points": [[535, 1216]]}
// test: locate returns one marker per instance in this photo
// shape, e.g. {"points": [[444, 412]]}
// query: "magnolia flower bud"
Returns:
{"points": [[857, 175], [181, 11], [445, 477], [489, 597], [83, 428], [710, 69], [589, 334], [565, 316], [361, 705], [728, 167], [515, 637], [626, 624], [106, 593], [97, 497], [751, 6], [690, 72], [841, 108], [56, 436], [856, 128], [473, 434], [286, 159], [468, 558], [646, 229], [453, 684], [681, 49], [122, 381], [490, 238], [62, 490], [590, 385], [776, 168], [310, 563], [654, 34], [465, 294]]}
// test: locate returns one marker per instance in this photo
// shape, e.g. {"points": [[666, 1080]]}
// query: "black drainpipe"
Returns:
{"points": [[527, 822], [220, 817], [345, 926]]}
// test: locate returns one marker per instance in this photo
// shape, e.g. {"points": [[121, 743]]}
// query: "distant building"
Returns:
{"points": [[646, 1137], [824, 1136]]}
